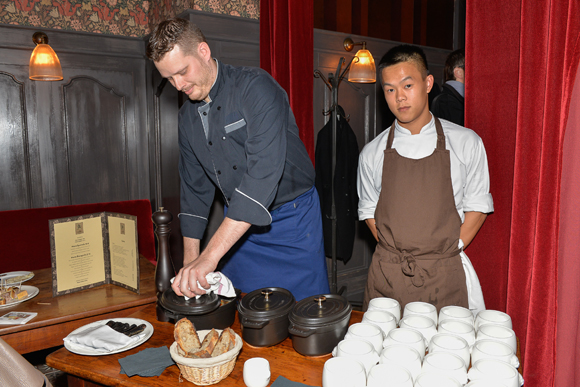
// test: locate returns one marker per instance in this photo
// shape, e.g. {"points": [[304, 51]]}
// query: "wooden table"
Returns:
{"points": [[85, 371], [59, 316]]}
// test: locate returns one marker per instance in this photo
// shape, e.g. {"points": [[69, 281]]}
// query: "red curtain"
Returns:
{"points": [[568, 317], [287, 52], [521, 60]]}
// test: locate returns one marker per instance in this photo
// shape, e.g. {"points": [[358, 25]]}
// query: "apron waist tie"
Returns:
{"points": [[411, 267]]}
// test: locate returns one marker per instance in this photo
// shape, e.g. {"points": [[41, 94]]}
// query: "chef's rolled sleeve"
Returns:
{"points": [[367, 192], [369, 179], [266, 113], [476, 192]]}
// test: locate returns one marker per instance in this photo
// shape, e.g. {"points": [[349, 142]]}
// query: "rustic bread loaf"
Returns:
{"points": [[226, 342], [186, 337], [207, 345]]}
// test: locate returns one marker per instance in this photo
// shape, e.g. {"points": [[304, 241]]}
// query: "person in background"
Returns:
{"points": [[449, 104], [238, 134], [423, 187]]}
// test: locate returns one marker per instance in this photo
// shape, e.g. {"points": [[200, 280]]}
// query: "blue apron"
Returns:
{"points": [[289, 253]]}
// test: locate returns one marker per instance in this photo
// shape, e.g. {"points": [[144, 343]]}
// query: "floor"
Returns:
{"points": [[38, 360]]}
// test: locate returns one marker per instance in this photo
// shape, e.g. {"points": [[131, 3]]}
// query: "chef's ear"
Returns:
{"points": [[204, 51], [429, 81]]}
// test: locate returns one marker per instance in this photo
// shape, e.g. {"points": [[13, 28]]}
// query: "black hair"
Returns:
{"points": [[405, 53], [455, 59]]}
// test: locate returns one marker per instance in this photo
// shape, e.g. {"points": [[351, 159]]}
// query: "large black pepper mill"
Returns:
{"points": [[164, 270]]}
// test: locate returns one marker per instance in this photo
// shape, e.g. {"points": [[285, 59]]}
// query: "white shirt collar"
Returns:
{"points": [[424, 130]]}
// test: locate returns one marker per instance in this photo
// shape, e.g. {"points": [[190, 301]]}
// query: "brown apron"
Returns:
{"points": [[417, 258]]}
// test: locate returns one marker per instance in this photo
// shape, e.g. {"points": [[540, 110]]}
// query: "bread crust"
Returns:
{"points": [[207, 345], [186, 336], [226, 342]]}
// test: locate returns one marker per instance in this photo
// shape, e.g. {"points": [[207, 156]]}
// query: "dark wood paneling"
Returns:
{"points": [[82, 145], [91, 111], [14, 154]]}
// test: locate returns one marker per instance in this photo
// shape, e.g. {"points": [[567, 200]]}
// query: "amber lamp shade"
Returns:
{"points": [[363, 68], [44, 64]]}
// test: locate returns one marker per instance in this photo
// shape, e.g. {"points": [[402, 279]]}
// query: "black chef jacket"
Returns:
{"points": [[245, 142]]}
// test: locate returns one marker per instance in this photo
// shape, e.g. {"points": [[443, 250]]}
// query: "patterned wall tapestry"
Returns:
{"points": [[115, 17]]}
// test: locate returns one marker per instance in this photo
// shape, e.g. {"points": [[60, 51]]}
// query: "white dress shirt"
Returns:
{"points": [[469, 171], [469, 177]]}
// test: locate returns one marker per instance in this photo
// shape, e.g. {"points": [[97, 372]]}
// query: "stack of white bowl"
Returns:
{"points": [[421, 348]]}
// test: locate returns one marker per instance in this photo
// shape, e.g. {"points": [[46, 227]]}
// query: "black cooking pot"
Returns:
{"points": [[319, 323], [263, 316], [206, 312]]}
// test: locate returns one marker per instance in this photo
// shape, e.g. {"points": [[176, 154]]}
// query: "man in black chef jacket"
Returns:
{"points": [[238, 134]]}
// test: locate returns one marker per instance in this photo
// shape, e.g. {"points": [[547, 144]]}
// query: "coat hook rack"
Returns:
{"points": [[333, 82]]}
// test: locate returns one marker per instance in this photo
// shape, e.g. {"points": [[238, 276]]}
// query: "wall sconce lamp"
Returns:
{"points": [[363, 68], [44, 64]]}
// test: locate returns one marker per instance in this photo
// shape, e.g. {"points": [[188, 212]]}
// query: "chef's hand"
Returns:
{"points": [[186, 281], [197, 267]]}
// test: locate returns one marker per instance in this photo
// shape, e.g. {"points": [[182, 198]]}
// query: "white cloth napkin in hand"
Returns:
{"points": [[102, 338], [218, 283]]}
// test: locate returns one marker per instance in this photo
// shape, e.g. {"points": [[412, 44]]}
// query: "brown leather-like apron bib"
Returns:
{"points": [[417, 258]]}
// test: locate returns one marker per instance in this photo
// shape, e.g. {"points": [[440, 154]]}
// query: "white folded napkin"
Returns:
{"points": [[218, 283], [102, 338]]}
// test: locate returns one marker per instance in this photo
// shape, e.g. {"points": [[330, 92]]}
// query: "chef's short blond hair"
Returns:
{"points": [[172, 32]]}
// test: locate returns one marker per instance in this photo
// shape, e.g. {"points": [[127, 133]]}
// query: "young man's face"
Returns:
{"points": [[406, 93], [190, 73]]}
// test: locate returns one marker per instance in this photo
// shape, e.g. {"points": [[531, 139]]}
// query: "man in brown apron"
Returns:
{"points": [[417, 224]]}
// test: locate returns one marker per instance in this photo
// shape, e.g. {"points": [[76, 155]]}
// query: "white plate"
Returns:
{"points": [[12, 274], [82, 350], [32, 292]]}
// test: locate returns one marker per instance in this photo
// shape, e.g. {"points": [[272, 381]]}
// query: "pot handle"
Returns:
{"points": [[253, 324], [300, 332]]}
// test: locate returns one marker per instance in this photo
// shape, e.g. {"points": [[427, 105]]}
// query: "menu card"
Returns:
{"points": [[92, 250]]}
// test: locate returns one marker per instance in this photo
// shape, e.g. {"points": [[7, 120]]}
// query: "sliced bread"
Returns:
{"points": [[186, 336], [207, 345], [226, 342]]}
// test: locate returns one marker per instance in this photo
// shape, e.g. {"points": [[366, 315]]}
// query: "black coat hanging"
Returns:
{"points": [[346, 199]]}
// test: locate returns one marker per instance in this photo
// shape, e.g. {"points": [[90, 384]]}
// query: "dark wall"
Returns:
{"points": [[80, 140], [423, 22]]}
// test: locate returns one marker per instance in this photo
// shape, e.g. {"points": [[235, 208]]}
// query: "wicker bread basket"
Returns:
{"points": [[204, 372]]}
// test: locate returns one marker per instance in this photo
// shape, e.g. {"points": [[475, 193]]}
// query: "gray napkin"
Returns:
{"points": [[283, 382], [149, 362]]}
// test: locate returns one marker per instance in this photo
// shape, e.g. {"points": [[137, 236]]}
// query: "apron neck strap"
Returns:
{"points": [[440, 134], [391, 135], [438, 128]]}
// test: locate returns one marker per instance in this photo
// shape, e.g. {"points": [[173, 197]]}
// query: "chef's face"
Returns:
{"points": [[193, 73], [407, 91]]}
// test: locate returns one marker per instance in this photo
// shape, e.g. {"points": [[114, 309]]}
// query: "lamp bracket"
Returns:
{"points": [[40, 38], [349, 44]]}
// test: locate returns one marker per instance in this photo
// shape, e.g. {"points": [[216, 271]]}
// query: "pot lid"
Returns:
{"points": [[178, 304], [319, 310], [266, 303]]}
